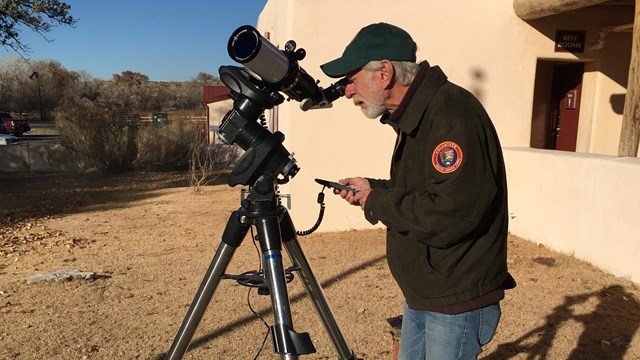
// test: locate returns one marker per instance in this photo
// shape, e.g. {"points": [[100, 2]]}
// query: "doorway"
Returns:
{"points": [[557, 98]]}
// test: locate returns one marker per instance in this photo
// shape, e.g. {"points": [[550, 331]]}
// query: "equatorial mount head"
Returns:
{"points": [[264, 152]]}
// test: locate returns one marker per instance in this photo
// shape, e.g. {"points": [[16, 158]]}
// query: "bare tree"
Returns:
{"points": [[204, 78], [21, 92], [630, 133], [39, 16], [208, 163]]}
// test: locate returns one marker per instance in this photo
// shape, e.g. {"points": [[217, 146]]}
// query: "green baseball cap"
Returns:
{"points": [[379, 41]]}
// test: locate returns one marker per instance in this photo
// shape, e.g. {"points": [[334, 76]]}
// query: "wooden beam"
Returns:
{"points": [[630, 132], [534, 9]]}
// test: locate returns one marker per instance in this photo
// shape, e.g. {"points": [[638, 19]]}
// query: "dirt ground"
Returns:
{"points": [[149, 240]]}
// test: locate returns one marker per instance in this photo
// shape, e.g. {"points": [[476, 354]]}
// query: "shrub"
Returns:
{"points": [[209, 162], [167, 147], [100, 139], [97, 139]]}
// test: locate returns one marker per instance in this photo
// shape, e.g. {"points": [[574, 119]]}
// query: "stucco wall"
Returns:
{"points": [[485, 48], [481, 46], [581, 204]]}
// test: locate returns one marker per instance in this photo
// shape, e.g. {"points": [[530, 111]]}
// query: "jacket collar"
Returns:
{"points": [[425, 85]]}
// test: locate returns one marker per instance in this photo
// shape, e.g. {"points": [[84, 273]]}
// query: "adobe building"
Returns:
{"points": [[552, 75], [216, 99]]}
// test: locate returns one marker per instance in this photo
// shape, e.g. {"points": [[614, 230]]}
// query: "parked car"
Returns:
{"points": [[13, 126], [8, 139]]}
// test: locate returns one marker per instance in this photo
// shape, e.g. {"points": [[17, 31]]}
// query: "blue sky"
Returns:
{"points": [[167, 40]]}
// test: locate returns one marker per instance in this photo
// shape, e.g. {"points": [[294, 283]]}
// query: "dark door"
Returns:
{"points": [[565, 107]]}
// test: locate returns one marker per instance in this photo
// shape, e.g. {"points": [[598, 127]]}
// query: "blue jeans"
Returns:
{"points": [[435, 336]]}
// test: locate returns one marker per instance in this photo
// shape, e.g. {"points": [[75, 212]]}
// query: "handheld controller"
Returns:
{"points": [[336, 185]]}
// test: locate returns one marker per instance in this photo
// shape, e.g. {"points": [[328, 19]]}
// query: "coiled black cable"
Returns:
{"points": [[320, 216]]}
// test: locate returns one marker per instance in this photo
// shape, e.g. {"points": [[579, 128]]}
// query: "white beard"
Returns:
{"points": [[373, 111], [374, 104]]}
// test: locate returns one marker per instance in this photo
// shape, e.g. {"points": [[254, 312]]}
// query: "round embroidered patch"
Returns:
{"points": [[447, 157]]}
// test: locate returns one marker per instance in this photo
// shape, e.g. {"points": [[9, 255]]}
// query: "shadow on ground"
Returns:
{"points": [[602, 326], [38, 195]]}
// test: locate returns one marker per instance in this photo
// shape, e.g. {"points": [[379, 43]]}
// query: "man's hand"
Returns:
{"points": [[357, 183]]}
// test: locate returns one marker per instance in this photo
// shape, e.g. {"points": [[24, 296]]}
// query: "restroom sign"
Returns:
{"points": [[570, 41]]}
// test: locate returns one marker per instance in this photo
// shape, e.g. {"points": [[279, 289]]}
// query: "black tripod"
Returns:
{"points": [[274, 229], [264, 165]]}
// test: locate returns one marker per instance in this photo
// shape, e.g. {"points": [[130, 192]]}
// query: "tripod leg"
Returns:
{"points": [[232, 237], [313, 289], [287, 342]]}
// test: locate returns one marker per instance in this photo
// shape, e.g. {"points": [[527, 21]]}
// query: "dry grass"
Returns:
{"points": [[155, 238]]}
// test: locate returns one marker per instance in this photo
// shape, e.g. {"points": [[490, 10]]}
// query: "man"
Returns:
{"points": [[445, 205]]}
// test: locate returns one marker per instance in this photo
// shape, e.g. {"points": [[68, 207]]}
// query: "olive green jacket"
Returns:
{"points": [[445, 206]]}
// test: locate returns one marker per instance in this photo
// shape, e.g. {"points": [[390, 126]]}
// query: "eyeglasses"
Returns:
{"points": [[356, 75]]}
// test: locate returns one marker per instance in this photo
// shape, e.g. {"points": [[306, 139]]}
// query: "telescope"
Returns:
{"points": [[268, 72], [280, 69]]}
